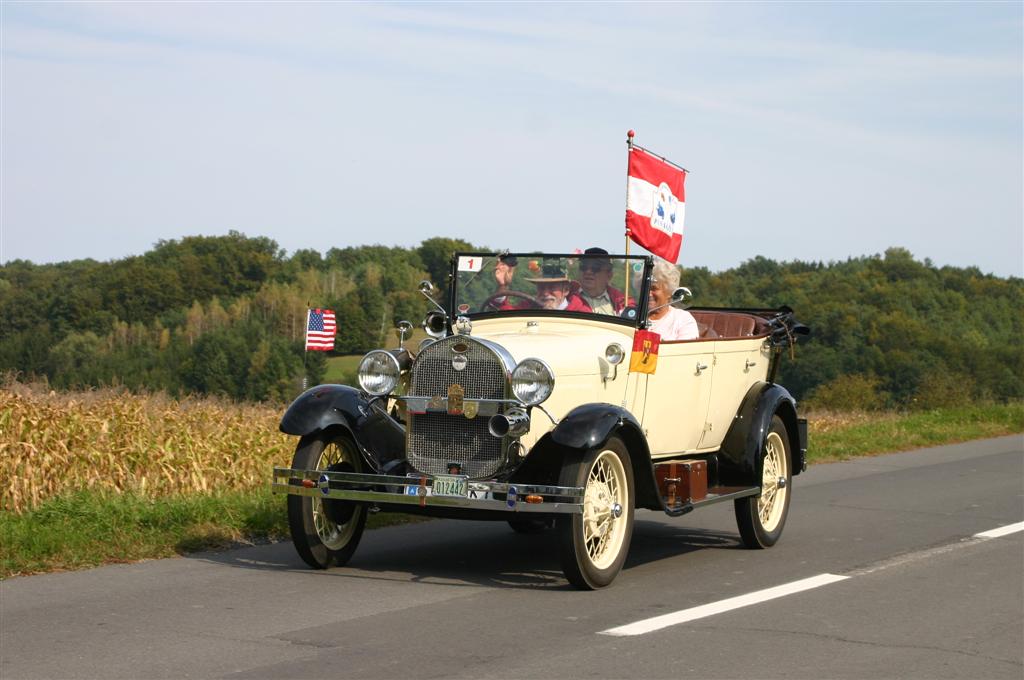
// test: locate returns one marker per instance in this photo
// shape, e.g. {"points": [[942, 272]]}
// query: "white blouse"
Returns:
{"points": [[678, 324]]}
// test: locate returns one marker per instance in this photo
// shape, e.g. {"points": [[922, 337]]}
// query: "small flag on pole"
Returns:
{"points": [[320, 330], [644, 358], [655, 203]]}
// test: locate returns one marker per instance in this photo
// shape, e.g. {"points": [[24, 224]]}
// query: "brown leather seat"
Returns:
{"points": [[725, 324]]}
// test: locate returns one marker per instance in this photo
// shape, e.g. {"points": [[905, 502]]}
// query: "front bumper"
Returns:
{"points": [[392, 489]]}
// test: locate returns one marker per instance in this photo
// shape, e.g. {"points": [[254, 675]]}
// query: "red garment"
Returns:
{"points": [[576, 303], [614, 294]]}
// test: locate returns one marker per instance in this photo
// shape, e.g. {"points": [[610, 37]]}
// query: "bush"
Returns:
{"points": [[939, 390], [851, 392]]}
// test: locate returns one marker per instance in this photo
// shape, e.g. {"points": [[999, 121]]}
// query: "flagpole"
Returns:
{"points": [[629, 149], [305, 352], [658, 156]]}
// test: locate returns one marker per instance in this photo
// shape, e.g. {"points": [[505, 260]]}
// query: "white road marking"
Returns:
{"points": [[684, 615], [694, 613], [1001, 531]]}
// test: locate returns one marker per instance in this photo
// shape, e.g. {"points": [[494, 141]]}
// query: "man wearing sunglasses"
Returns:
{"points": [[594, 293]]}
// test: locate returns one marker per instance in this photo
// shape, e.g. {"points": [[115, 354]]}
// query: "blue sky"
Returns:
{"points": [[813, 131]]}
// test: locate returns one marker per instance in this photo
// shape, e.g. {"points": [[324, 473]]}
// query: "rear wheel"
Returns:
{"points": [[593, 545], [326, 532], [761, 518]]}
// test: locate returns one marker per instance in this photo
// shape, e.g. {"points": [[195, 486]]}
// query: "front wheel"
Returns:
{"points": [[593, 545], [326, 532], [761, 518]]}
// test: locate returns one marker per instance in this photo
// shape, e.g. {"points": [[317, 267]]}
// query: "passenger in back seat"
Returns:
{"points": [[668, 322]]}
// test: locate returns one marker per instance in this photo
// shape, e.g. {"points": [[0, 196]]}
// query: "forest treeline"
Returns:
{"points": [[226, 315]]}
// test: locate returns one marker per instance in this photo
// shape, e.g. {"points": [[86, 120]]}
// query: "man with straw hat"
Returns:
{"points": [[553, 286]]}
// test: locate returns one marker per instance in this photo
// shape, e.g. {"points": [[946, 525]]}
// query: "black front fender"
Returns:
{"points": [[590, 425], [375, 432], [739, 457]]}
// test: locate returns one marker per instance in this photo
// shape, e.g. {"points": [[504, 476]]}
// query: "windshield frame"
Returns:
{"points": [[642, 298]]}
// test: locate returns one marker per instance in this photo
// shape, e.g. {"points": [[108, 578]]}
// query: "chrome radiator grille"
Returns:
{"points": [[435, 440]]}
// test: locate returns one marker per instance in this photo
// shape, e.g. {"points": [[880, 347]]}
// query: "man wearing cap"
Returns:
{"points": [[594, 294]]}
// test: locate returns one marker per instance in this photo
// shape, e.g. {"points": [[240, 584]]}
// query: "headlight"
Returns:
{"points": [[378, 373], [532, 381], [614, 354]]}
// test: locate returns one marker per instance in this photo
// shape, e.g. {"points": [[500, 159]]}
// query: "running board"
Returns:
{"points": [[716, 494]]}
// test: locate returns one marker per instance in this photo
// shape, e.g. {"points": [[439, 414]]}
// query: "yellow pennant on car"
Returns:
{"points": [[645, 352]]}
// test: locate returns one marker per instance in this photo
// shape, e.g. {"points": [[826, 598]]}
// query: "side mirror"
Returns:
{"points": [[403, 329], [681, 294], [427, 288]]}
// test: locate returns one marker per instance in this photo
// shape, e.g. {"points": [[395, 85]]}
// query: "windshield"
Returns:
{"points": [[489, 283]]}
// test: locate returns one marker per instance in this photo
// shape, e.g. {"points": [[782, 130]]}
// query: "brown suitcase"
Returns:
{"points": [[682, 481]]}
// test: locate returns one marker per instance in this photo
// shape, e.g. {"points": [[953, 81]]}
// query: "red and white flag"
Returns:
{"points": [[655, 204], [320, 330]]}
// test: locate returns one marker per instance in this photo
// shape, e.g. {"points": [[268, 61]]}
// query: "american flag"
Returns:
{"points": [[320, 329]]}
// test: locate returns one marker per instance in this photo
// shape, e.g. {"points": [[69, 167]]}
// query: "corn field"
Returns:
{"points": [[52, 443]]}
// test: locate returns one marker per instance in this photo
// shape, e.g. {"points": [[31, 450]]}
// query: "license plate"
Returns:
{"points": [[445, 485], [451, 485]]}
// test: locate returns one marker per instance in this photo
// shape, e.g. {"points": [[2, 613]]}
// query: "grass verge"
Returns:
{"points": [[842, 436], [89, 528]]}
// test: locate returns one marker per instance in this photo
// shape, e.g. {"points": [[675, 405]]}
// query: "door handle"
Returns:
{"points": [[748, 365], [701, 367]]}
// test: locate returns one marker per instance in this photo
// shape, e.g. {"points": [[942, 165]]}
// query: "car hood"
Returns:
{"points": [[568, 351]]}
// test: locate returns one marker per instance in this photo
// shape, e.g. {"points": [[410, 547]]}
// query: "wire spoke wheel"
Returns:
{"points": [[332, 534], [772, 501], [594, 543], [603, 525], [761, 518], [326, 531]]}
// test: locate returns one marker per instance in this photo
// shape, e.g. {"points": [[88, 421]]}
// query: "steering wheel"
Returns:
{"points": [[490, 304]]}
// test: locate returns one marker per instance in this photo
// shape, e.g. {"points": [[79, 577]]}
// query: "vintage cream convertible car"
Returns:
{"points": [[545, 417]]}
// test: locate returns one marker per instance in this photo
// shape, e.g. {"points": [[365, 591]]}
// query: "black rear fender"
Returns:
{"points": [[740, 455], [378, 435]]}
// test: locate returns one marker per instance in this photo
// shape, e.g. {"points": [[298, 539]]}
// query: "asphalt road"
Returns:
{"points": [[921, 595]]}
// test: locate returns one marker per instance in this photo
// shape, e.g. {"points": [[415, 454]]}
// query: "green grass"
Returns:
{"points": [[877, 433], [342, 370], [88, 528]]}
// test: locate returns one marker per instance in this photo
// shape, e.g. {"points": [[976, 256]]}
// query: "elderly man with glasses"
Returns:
{"points": [[594, 293]]}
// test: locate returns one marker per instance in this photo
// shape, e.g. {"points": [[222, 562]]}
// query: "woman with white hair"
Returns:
{"points": [[668, 322]]}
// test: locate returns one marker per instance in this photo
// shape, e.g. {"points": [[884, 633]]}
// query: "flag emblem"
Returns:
{"points": [[655, 204], [665, 207], [320, 330], [644, 358]]}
